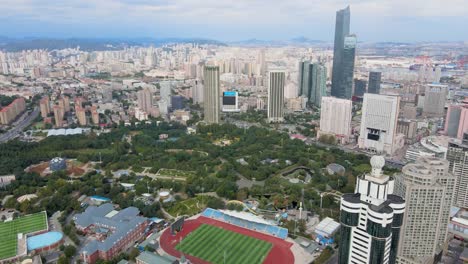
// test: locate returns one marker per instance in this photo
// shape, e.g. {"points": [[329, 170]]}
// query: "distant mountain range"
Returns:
{"points": [[88, 44], [298, 41]]}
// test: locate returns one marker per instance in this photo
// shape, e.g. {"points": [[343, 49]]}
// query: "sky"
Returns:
{"points": [[233, 20]]}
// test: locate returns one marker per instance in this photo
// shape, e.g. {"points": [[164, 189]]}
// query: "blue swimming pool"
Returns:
{"points": [[43, 240]]}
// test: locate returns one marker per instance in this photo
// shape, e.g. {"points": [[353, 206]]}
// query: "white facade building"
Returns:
{"points": [[371, 219], [335, 118], [428, 188], [379, 123]]}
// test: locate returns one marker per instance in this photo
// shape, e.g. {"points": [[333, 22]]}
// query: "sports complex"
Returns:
{"points": [[221, 236], [26, 234]]}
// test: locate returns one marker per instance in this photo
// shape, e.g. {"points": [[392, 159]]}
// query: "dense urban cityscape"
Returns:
{"points": [[204, 151]]}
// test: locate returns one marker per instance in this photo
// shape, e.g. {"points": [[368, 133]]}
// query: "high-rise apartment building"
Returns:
{"points": [[379, 123], [339, 88], [44, 105], [335, 118], [434, 99], [145, 100], [81, 116], [94, 115], [59, 113], [10, 112], [428, 189], [276, 83], [375, 79], [456, 120], [211, 95], [457, 155], [371, 219]]}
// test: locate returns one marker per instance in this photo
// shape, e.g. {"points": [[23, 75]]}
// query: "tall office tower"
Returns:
{"points": [[81, 116], [341, 31], [375, 78], [379, 123], [359, 87], [44, 104], [335, 118], [349, 54], [59, 112], [434, 99], [318, 79], [457, 155], [304, 81], [211, 95], [276, 83], [312, 81], [371, 219], [427, 186], [145, 100]]}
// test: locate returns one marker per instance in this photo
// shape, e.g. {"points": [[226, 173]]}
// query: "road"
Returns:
{"points": [[21, 124]]}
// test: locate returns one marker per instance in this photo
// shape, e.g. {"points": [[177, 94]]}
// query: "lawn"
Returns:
{"points": [[219, 246], [190, 206], [9, 230], [175, 173]]}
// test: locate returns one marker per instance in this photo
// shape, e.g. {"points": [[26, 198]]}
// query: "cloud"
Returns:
{"points": [[194, 16]]}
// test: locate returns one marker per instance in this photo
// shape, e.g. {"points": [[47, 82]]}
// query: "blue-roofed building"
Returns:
{"points": [[115, 230]]}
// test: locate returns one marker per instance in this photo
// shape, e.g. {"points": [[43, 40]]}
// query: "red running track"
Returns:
{"points": [[280, 253]]}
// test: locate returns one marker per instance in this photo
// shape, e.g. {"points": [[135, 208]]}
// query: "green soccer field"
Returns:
{"points": [[216, 245], [9, 230]]}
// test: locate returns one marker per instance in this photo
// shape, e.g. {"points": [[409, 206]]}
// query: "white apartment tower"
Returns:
{"points": [[335, 118], [276, 83], [211, 95], [371, 219], [428, 188], [457, 155], [379, 123]]}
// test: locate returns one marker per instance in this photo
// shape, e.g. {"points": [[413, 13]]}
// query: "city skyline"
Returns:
{"points": [[234, 21]]}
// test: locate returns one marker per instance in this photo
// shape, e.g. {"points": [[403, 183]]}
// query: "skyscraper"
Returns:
{"points": [[427, 186], [304, 81], [276, 83], [318, 78], [371, 219], [335, 118], [379, 123], [457, 155], [211, 94], [375, 79], [341, 32], [312, 81]]}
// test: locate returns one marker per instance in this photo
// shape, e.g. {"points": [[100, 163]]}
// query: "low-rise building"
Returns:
{"points": [[115, 230]]}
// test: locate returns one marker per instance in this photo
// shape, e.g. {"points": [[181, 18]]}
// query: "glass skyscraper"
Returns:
{"points": [[343, 56], [374, 82], [312, 81]]}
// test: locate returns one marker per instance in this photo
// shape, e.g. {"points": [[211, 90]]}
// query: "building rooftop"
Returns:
{"points": [[122, 222], [148, 257]]}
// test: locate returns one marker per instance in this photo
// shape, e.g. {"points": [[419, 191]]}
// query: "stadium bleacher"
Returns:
{"points": [[260, 227]]}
